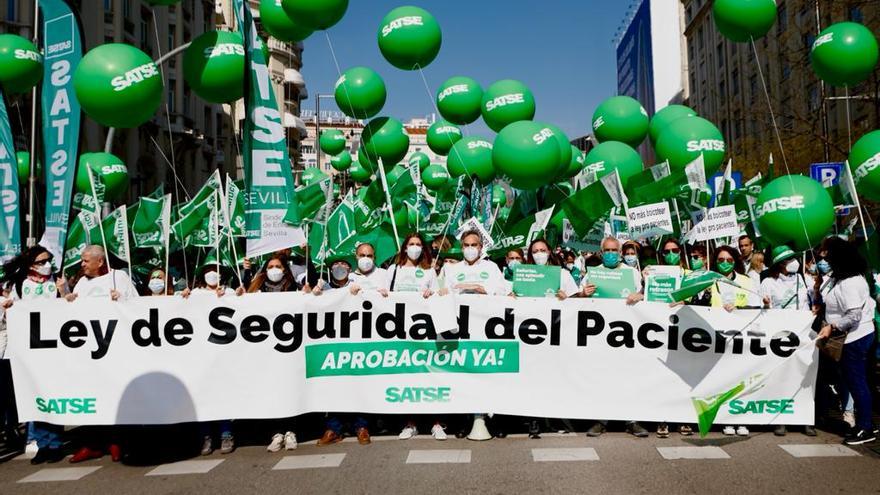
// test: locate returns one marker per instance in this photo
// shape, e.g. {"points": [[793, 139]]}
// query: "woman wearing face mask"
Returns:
{"points": [[158, 283], [572, 266], [412, 269], [539, 254], [727, 262], [30, 277], [512, 259]]}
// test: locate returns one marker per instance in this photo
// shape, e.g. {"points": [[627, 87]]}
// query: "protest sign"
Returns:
{"points": [[661, 281], [649, 220], [716, 224], [536, 280], [615, 283]]}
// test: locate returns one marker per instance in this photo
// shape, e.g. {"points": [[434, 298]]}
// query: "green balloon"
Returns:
{"points": [[555, 193], [620, 118], [609, 156], [864, 163], [419, 159], [360, 174], [213, 66], [332, 142], [666, 116], [844, 54], [472, 156], [23, 160], [409, 38], [459, 100], [794, 210], [385, 138], [564, 149], [528, 153], [744, 20], [21, 65], [315, 14], [441, 136], [107, 169], [499, 197], [311, 175], [683, 140], [365, 161], [279, 24], [435, 177], [575, 165], [118, 85], [360, 93], [341, 162], [505, 102]]}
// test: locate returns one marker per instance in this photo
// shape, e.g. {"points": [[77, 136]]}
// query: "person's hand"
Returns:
{"points": [[384, 292], [675, 304], [354, 289], [729, 307], [427, 293], [589, 290], [70, 297], [221, 291], [239, 291], [7, 304], [825, 332], [634, 298], [766, 301], [246, 264], [561, 295], [477, 288], [61, 285], [185, 293], [442, 292], [317, 290], [114, 294], [307, 289]]}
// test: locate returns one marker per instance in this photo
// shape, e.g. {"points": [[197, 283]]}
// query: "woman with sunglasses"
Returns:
{"points": [[743, 294]]}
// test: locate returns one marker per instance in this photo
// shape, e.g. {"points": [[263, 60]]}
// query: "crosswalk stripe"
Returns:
{"points": [[819, 450], [561, 455], [185, 467], [439, 457], [309, 461], [708, 452], [59, 474]]}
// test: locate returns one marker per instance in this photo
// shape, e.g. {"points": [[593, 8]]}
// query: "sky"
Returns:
{"points": [[561, 49]]}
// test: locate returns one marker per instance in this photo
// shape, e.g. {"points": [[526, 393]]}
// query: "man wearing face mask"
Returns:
{"points": [[99, 280], [475, 275], [611, 260], [368, 276], [339, 275]]}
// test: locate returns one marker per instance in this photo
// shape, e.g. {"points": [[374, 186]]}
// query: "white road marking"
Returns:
{"points": [[819, 450], [559, 455], [671, 453], [185, 467], [59, 474], [309, 461], [439, 457]]}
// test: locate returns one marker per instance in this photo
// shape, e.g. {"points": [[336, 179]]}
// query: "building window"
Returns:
{"points": [[172, 86], [126, 8], [108, 5], [781, 19], [855, 15], [753, 87], [734, 82], [171, 29], [144, 29], [813, 91], [719, 53], [722, 91], [12, 10], [786, 71], [700, 39]]}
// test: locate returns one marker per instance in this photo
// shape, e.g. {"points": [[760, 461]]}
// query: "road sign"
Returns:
{"points": [[827, 174], [716, 184]]}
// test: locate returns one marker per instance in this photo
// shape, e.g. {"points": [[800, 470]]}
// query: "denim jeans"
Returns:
{"points": [[854, 364], [335, 424], [47, 436]]}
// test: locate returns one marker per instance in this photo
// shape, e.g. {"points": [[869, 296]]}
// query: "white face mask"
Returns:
{"points": [[541, 257], [414, 252], [156, 285], [212, 278], [275, 274], [365, 264], [339, 272], [792, 267], [45, 269], [513, 263], [471, 253]]}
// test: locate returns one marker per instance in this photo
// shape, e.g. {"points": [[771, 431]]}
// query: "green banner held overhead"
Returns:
{"points": [[269, 186], [10, 226], [62, 48]]}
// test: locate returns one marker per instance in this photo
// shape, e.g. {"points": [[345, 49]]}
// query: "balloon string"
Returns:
{"points": [[170, 140], [778, 135], [848, 116]]}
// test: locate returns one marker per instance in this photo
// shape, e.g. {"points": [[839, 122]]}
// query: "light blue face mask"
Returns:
{"points": [[631, 260], [610, 259], [823, 266]]}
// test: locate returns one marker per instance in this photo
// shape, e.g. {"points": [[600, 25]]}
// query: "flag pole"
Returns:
{"points": [[388, 200], [98, 219], [32, 176], [166, 228], [225, 209], [855, 197]]}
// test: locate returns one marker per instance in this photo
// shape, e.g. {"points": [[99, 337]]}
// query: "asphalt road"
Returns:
{"points": [[573, 463]]}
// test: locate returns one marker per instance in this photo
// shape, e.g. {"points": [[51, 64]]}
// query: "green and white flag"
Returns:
{"points": [[148, 227], [520, 234], [235, 208], [10, 226], [267, 171], [192, 219], [77, 239], [115, 228]]}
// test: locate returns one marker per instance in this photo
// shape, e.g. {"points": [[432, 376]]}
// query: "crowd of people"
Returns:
{"points": [[832, 282]]}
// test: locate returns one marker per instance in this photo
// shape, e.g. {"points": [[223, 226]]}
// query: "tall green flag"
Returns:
{"points": [[591, 203], [10, 226], [235, 207], [148, 228], [522, 233], [62, 45], [192, 219], [267, 170]]}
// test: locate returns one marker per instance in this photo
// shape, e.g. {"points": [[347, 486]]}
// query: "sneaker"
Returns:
{"points": [[277, 441], [290, 441], [858, 437], [438, 432], [636, 430], [227, 444], [780, 430], [596, 430], [685, 430], [729, 430], [207, 446], [534, 430], [849, 417], [408, 432], [810, 431], [742, 431], [30, 450], [662, 430], [47, 455]]}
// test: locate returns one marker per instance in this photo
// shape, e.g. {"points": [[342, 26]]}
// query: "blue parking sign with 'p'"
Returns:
{"points": [[827, 174]]}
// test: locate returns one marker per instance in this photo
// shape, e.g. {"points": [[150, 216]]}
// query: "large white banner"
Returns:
{"points": [[161, 360]]}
